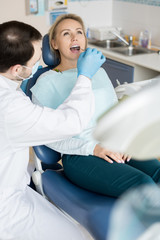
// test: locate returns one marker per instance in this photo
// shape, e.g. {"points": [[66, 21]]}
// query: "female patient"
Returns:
{"points": [[85, 162]]}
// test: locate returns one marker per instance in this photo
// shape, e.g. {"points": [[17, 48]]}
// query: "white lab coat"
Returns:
{"points": [[24, 214]]}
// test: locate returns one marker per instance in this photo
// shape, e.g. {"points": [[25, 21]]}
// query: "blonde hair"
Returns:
{"points": [[53, 30]]}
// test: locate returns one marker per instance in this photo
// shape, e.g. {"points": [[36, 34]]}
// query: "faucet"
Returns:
{"points": [[129, 44]]}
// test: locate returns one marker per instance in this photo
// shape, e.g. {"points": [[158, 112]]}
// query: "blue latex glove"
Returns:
{"points": [[89, 62]]}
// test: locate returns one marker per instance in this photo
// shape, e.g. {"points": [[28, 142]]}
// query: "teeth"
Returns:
{"points": [[75, 47]]}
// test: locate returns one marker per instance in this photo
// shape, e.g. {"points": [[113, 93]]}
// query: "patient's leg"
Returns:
{"points": [[150, 167], [97, 175]]}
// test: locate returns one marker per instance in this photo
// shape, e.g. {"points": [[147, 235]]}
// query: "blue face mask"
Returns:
{"points": [[34, 70]]}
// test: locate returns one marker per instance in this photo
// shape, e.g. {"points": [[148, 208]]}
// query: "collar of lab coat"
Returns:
{"points": [[7, 83]]}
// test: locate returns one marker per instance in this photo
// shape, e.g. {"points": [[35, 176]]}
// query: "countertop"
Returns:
{"points": [[149, 60]]}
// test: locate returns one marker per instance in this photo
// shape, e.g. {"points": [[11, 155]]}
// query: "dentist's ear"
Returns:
{"points": [[15, 70]]}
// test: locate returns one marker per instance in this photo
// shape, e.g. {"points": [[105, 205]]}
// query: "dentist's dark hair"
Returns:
{"points": [[16, 46]]}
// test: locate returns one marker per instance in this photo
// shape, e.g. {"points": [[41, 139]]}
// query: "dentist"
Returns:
{"points": [[24, 214]]}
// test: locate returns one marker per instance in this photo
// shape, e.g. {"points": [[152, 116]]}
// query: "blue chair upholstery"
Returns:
{"points": [[89, 209]]}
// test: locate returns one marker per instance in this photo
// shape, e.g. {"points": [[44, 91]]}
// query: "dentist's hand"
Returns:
{"points": [[89, 62]]}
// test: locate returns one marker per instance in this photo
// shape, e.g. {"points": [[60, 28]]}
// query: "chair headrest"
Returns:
{"points": [[49, 57]]}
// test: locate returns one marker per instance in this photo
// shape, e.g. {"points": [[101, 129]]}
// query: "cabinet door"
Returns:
{"points": [[118, 71]]}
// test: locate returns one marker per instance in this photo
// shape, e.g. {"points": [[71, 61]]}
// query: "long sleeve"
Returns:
{"points": [[52, 88], [71, 145], [27, 124], [74, 146]]}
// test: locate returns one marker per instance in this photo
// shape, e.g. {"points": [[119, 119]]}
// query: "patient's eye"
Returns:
{"points": [[65, 33], [80, 32]]}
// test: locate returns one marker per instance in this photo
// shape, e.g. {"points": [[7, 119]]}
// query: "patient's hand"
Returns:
{"points": [[125, 157], [105, 154]]}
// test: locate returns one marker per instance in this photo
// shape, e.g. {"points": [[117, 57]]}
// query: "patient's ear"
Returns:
{"points": [[54, 44]]}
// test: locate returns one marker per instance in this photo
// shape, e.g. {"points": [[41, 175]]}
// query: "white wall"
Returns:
{"points": [[131, 17], [15, 10], [97, 13], [134, 18], [94, 13]]}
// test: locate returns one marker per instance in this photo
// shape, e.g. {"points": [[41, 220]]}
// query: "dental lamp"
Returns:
{"points": [[136, 215], [133, 125]]}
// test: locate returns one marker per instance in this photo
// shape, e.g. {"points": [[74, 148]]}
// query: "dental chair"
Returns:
{"points": [[89, 209]]}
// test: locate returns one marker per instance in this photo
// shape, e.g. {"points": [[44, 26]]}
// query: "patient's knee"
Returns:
{"points": [[145, 180], [156, 176]]}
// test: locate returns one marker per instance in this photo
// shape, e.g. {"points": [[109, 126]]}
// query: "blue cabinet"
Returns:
{"points": [[118, 71]]}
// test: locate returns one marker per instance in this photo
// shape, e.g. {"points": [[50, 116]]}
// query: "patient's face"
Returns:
{"points": [[70, 40]]}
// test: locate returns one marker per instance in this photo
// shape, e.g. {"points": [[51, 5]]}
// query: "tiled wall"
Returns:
{"points": [[85, 0], [146, 2]]}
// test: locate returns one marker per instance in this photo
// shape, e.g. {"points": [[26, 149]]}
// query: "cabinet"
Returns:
{"points": [[120, 71], [129, 68]]}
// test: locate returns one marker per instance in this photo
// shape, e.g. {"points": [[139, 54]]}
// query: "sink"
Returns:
{"points": [[120, 47], [130, 51], [107, 43]]}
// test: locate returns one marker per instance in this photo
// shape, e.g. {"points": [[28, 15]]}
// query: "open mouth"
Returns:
{"points": [[75, 48]]}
